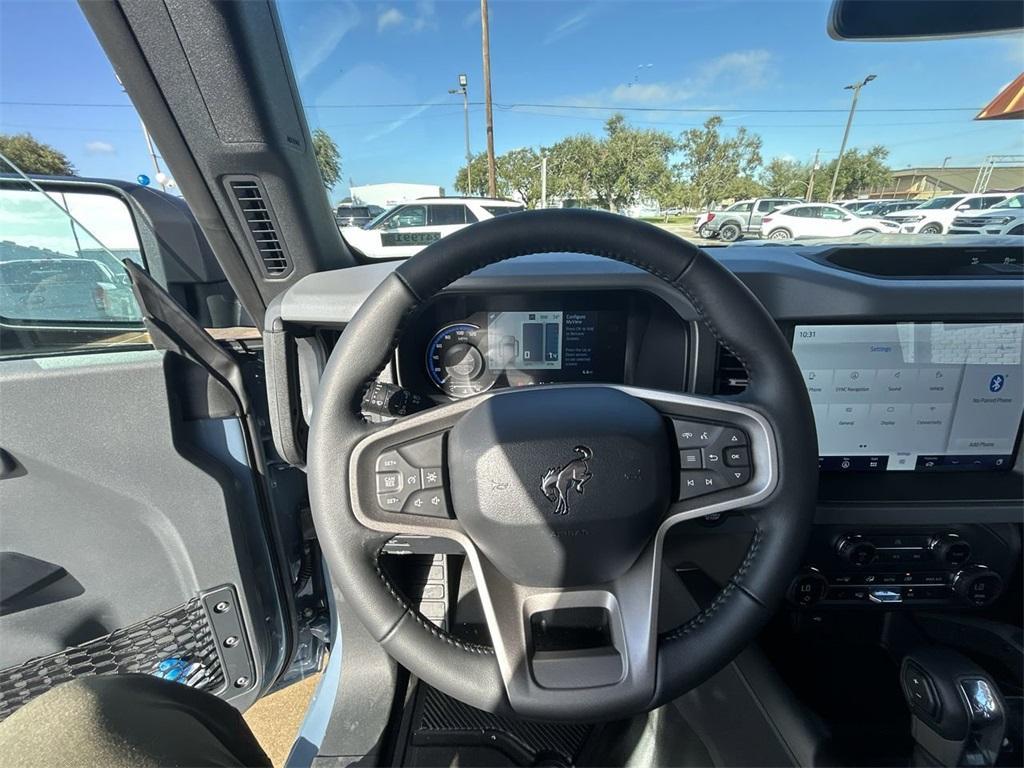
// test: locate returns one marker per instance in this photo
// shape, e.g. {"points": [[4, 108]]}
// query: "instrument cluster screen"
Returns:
{"points": [[914, 396], [524, 348]]}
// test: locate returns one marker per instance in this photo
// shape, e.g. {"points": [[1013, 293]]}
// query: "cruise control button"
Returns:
{"points": [[390, 502], [737, 457], [389, 482], [389, 461], [694, 434], [431, 477], [690, 458], [432, 503], [699, 482]]}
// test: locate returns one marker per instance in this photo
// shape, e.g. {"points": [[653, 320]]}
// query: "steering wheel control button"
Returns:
{"points": [[390, 502], [690, 459], [432, 503], [389, 482], [431, 477], [732, 436], [737, 457], [736, 476], [699, 482], [389, 461], [695, 434]]}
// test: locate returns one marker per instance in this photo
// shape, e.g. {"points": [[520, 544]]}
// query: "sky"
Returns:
{"points": [[376, 76]]}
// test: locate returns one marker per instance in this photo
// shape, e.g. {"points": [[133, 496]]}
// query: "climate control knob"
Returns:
{"points": [[977, 585], [950, 549], [856, 550]]}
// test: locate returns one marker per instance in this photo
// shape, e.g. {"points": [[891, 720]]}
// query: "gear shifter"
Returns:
{"points": [[958, 716]]}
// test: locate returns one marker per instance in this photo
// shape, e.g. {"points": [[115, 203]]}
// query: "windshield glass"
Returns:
{"points": [[940, 202], [664, 111]]}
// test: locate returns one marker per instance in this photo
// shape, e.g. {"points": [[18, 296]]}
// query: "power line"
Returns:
{"points": [[518, 105]]}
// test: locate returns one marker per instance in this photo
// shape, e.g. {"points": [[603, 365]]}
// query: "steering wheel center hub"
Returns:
{"points": [[561, 486]]}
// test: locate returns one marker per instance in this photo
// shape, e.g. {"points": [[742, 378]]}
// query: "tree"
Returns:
{"points": [[742, 187], [32, 156], [571, 164], [711, 161], [479, 167], [785, 178], [328, 158], [519, 171], [616, 170], [859, 172]]}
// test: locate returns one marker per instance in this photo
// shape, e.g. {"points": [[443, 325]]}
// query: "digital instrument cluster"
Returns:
{"points": [[526, 347]]}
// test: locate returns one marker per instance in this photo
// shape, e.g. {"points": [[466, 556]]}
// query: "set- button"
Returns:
{"points": [[712, 457], [410, 479]]}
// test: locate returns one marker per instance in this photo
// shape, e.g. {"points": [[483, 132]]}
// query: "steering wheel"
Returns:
{"points": [[561, 495]]}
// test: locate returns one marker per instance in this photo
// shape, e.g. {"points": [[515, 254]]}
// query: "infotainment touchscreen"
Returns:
{"points": [[914, 396]]}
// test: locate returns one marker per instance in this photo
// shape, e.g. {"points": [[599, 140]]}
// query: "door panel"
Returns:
{"points": [[134, 479]]}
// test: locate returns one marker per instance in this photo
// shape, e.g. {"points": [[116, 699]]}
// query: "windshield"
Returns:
{"points": [[657, 110], [940, 202], [667, 123]]}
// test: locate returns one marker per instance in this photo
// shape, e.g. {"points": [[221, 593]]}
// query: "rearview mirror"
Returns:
{"points": [[922, 19]]}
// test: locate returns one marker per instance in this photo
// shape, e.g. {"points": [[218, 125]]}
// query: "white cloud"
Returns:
{"points": [[394, 125], [568, 26], [392, 17], [735, 71], [471, 19], [100, 148], [315, 40]]}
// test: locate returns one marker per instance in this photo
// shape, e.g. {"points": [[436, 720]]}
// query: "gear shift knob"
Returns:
{"points": [[958, 714]]}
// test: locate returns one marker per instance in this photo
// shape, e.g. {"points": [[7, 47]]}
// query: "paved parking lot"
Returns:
{"points": [[686, 232]]}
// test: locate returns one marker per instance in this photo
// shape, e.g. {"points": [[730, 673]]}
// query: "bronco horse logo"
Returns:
{"points": [[558, 480]]}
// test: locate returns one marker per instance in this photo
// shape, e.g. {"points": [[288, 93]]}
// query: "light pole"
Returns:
{"points": [[464, 90], [846, 134], [946, 159]]}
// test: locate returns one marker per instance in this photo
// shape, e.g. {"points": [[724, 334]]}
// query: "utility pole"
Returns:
{"points": [[492, 183], [158, 174], [543, 181], [810, 182], [846, 134], [464, 90]]}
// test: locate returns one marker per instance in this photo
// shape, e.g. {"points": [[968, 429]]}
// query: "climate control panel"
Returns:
{"points": [[963, 565]]}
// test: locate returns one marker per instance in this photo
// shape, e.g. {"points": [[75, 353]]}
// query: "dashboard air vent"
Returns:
{"points": [[730, 375], [253, 208]]}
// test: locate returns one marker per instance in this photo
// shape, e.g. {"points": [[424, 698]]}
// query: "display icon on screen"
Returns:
{"points": [[996, 383]]}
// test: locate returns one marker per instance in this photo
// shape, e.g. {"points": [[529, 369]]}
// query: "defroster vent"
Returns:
{"points": [[730, 376], [252, 205]]}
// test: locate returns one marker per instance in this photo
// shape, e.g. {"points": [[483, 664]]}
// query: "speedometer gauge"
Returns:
{"points": [[457, 360]]}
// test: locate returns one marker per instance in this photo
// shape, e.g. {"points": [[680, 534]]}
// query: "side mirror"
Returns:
{"points": [[963, 207], [847, 218]]}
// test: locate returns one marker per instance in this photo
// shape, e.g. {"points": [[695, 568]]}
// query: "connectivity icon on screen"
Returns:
{"points": [[996, 383]]}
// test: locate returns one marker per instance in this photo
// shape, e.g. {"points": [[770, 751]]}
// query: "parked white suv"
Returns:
{"points": [[819, 220], [408, 228], [934, 216], [1005, 218]]}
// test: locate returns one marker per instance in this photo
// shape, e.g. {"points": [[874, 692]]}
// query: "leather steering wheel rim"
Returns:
{"points": [[687, 655]]}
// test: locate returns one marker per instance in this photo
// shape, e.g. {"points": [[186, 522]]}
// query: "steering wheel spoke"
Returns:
{"points": [[558, 648], [399, 479], [727, 453]]}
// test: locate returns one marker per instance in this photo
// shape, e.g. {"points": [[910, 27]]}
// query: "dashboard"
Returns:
{"points": [[915, 380]]}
